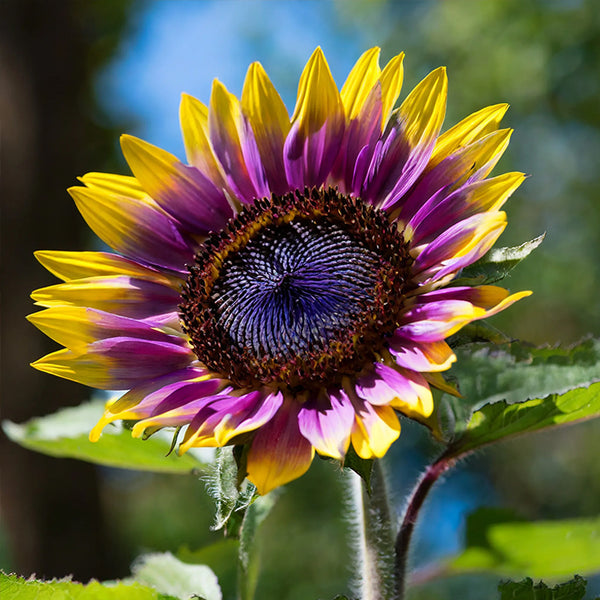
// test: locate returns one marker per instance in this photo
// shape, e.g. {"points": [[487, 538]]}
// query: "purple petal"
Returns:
{"points": [[327, 423], [195, 201], [131, 361], [360, 137], [229, 416], [309, 157], [434, 321]]}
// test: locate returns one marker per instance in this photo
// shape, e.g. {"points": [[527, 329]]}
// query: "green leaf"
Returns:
{"points": [[497, 263], [13, 587], [222, 558], [65, 434], [168, 575], [527, 590], [478, 331], [494, 422], [498, 542], [513, 373]]}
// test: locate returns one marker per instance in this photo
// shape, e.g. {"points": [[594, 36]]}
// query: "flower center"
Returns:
{"points": [[296, 291]]}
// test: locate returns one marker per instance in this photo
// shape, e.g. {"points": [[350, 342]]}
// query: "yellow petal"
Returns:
{"points": [[231, 139], [68, 365], [420, 405], [70, 326], [391, 84], [422, 113], [361, 79], [491, 194], [373, 434], [270, 122], [279, 453], [318, 97], [119, 185], [119, 295], [79, 265], [152, 166], [263, 106], [470, 129], [193, 116]]}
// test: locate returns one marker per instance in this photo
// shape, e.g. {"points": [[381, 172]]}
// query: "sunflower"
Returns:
{"points": [[289, 289]]}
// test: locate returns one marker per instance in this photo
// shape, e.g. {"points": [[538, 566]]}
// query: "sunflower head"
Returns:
{"points": [[289, 288]]}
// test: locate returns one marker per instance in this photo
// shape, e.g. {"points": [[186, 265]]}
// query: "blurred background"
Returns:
{"points": [[74, 74]]}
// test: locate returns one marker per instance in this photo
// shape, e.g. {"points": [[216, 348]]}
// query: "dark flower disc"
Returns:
{"points": [[297, 291]]}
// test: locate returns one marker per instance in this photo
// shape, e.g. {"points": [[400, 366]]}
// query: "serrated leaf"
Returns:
{"points": [[479, 331], [64, 434], [497, 263], [168, 575], [13, 587], [512, 373], [527, 590], [497, 541], [494, 422]]}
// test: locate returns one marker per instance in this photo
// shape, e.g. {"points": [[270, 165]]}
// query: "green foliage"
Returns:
{"points": [[527, 590], [164, 572], [221, 557], [65, 434], [155, 577], [496, 541], [497, 263], [489, 374], [494, 422], [13, 587]]}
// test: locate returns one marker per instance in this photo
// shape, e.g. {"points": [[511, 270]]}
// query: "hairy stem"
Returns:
{"points": [[420, 491], [374, 537]]}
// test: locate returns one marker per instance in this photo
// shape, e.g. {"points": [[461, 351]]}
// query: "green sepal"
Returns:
{"points": [[231, 496], [363, 467]]}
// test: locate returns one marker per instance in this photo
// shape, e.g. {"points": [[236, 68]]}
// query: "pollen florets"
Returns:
{"points": [[297, 291]]}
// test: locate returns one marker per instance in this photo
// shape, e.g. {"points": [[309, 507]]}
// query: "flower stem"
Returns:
{"points": [[420, 491], [374, 537]]}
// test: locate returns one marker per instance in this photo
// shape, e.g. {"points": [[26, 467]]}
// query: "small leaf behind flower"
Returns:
{"points": [[497, 263]]}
